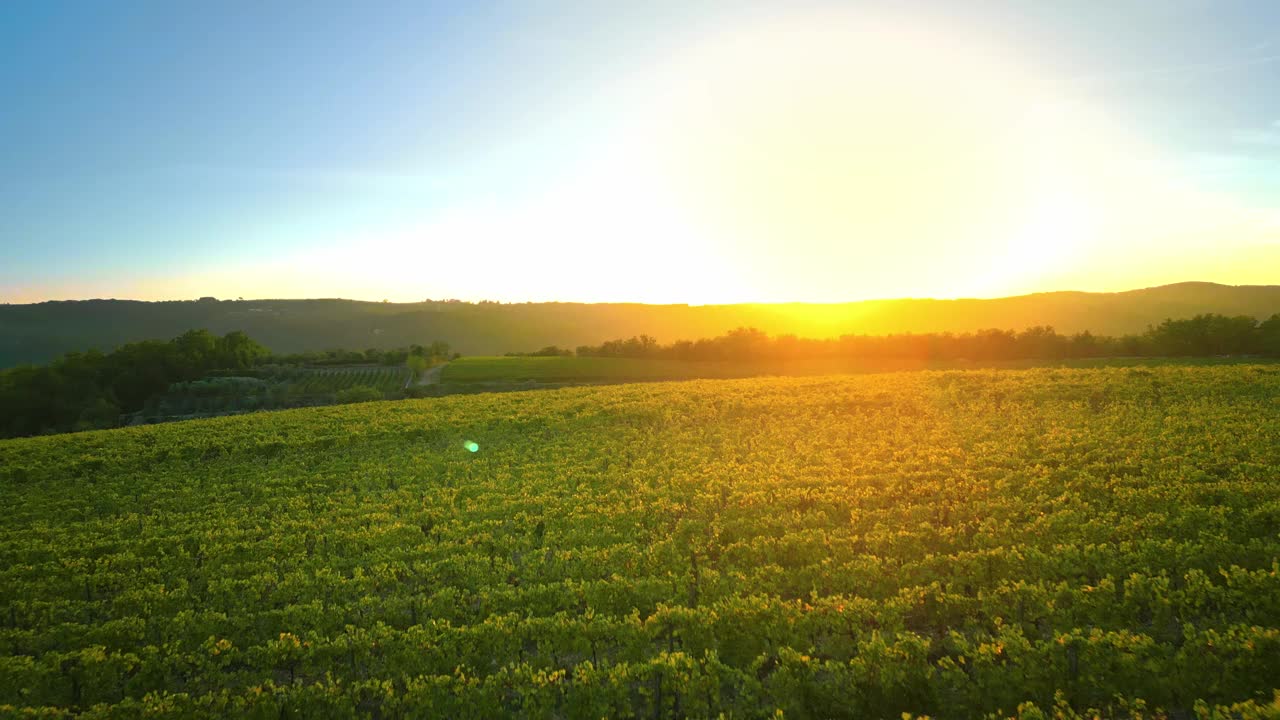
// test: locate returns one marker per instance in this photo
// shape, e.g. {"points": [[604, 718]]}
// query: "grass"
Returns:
{"points": [[596, 369], [584, 369]]}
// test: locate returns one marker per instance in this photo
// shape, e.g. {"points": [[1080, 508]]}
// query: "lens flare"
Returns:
{"points": [[471, 446]]}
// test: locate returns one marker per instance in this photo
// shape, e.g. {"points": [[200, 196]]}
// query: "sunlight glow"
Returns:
{"points": [[857, 156], [821, 157]]}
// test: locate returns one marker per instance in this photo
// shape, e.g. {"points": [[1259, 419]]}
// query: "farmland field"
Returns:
{"points": [[587, 369], [948, 543], [609, 369], [313, 381], [271, 388]]}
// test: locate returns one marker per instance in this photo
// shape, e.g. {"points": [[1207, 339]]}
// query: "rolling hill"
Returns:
{"points": [[39, 332]]}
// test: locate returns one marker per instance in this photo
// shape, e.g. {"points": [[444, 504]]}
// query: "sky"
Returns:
{"points": [[686, 152]]}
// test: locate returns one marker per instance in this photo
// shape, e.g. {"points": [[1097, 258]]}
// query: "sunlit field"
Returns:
{"points": [[588, 369], [958, 544], [603, 369], [655, 361]]}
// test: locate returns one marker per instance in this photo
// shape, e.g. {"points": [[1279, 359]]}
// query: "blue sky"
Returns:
{"points": [[159, 149]]}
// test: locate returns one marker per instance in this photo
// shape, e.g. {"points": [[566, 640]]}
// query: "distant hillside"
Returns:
{"points": [[39, 332]]}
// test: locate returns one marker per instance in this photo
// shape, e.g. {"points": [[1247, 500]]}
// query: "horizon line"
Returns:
{"points": [[483, 301]]}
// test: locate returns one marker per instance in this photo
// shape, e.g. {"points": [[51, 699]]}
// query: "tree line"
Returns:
{"points": [[86, 390], [437, 351], [93, 390], [1206, 335]]}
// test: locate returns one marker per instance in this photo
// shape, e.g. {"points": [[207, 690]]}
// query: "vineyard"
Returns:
{"points": [[315, 381], [1035, 543], [274, 388]]}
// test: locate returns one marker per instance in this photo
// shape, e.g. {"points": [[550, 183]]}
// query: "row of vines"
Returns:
{"points": [[1032, 543], [275, 388], [328, 380]]}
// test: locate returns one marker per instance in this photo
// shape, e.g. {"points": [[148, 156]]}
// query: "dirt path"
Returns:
{"points": [[430, 376]]}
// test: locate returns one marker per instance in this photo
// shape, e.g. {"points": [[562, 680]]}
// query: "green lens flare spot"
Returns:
{"points": [[470, 446]]}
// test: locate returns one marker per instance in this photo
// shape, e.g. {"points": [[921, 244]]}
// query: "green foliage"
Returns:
{"points": [[195, 374], [1207, 335], [90, 390], [324, 381], [100, 415], [38, 333], [525, 372], [238, 351], [1199, 336], [436, 352], [548, 351], [1043, 543], [576, 369], [1269, 330], [359, 393], [276, 387], [417, 364]]}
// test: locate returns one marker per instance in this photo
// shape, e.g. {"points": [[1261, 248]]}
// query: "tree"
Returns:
{"points": [[90, 390], [548, 351], [1041, 342], [1208, 334], [194, 352], [417, 364], [239, 351], [1084, 344], [101, 414], [1269, 336]]}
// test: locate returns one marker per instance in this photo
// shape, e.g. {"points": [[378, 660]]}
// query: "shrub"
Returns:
{"points": [[359, 393]]}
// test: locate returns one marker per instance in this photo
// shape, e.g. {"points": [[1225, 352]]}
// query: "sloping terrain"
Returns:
{"points": [[37, 333], [951, 543]]}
